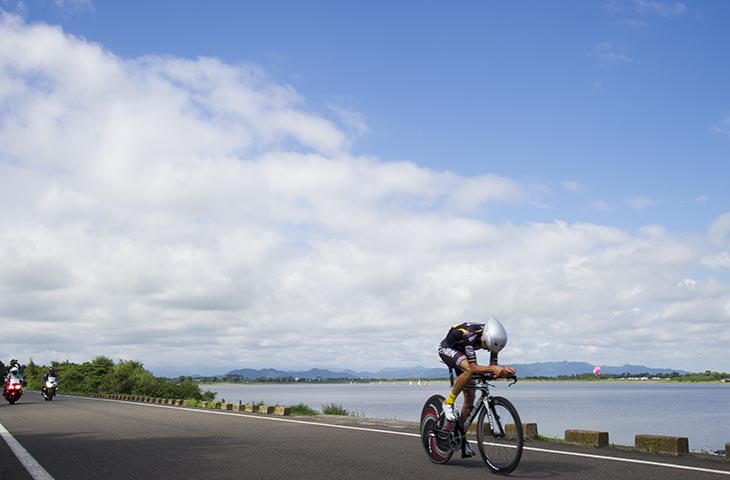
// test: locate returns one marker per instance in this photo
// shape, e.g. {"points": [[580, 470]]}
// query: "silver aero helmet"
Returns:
{"points": [[494, 336]]}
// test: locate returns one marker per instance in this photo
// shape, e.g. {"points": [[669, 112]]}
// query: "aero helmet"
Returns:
{"points": [[494, 336]]}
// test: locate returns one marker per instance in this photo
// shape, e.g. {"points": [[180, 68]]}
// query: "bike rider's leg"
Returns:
{"points": [[461, 381], [466, 450], [468, 404], [454, 359]]}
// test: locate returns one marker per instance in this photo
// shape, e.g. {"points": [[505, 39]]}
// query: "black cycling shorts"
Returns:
{"points": [[453, 357]]}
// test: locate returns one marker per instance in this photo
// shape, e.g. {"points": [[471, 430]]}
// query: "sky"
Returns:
{"points": [[205, 186]]}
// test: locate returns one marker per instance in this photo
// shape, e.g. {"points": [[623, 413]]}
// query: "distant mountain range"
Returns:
{"points": [[542, 369]]}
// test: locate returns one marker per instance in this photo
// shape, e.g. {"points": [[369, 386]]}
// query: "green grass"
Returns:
{"points": [[334, 409], [303, 409]]}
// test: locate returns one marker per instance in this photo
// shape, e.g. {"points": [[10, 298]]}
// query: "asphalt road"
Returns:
{"points": [[77, 438]]}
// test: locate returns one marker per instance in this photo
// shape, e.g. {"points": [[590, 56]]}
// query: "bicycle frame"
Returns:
{"points": [[481, 384]]}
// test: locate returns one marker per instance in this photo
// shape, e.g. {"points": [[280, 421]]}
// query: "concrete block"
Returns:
{"points": [[727, 450], [237, 408], [265, 409], [226, 406], [586, 438], [662, 444], [251, 408], [282, 411], [529, 430]]}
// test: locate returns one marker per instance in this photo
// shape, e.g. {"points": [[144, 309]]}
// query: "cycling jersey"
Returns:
{"points": [[460, 343]]}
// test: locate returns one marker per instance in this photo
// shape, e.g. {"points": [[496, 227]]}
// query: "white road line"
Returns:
{"points": [[34, 468], [630, 460], [391, 432]]}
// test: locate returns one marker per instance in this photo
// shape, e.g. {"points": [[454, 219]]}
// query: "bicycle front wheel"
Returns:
{"points": [[500, 436]]}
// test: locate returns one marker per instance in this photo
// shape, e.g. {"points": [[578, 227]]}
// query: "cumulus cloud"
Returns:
{"points": [[641, 203], [722, 127], [188, 211], [661, 8], [573, 186], [607, 53]]}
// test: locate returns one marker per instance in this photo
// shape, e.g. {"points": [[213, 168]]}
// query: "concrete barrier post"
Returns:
{"points": [[587, 438], [266, 409], [251, 408], [662, 444], [282, 411], [226, 406], [727, 450], [237, 408], [530, 430]]}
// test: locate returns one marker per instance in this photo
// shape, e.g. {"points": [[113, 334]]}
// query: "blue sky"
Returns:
{"points": [[574, 140], [619, 97]]}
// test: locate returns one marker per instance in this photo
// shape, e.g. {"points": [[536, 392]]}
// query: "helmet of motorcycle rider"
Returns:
{"points": [[14, 370], [494, 336], [52, 370]]}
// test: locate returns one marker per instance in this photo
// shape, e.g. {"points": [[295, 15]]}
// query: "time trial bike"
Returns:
{"points": [[499, 433]]}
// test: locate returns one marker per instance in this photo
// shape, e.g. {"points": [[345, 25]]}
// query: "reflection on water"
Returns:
{"points": [[623, 409]]}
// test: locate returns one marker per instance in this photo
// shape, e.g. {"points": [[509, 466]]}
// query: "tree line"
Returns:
{"points": [[102, 375], [707, 376]]}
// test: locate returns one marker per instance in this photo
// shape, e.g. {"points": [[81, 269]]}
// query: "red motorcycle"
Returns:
{"points": [[13, 390]]}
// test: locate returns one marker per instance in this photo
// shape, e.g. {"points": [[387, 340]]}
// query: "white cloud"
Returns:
{"points": [[661, 8], [607, 53], [573, 186], [723, 127], [173, 210], [355, 121], [720, 229], [720, 260], [641, 203]]}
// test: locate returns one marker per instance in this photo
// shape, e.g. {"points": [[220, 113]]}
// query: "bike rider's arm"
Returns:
{"points": [[496, 371]]}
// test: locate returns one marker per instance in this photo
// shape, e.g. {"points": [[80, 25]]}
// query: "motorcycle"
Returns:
{"points": [[50, 388], [13, 390]]}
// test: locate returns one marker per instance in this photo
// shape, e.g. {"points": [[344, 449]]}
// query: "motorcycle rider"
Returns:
{"points": [[13, 373], [50, 373], [13, 369]]}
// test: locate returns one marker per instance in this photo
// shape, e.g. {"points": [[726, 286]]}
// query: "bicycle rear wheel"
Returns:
{"points": [[435, 443], [500, 436]]}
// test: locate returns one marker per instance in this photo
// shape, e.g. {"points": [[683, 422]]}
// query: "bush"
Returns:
{"points": [[303, 409], [101, 375], [334, 409]]}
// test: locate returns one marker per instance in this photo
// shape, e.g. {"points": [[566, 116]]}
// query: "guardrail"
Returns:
{"points": [[235, 407]]}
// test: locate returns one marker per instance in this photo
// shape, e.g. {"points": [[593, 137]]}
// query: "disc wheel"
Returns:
{"points": [[435, 440]]}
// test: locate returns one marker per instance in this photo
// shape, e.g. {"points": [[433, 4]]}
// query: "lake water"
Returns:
{"points": [[700, 412]]}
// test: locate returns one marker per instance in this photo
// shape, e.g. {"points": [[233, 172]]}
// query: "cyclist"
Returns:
{"points": [[457, 351]]}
